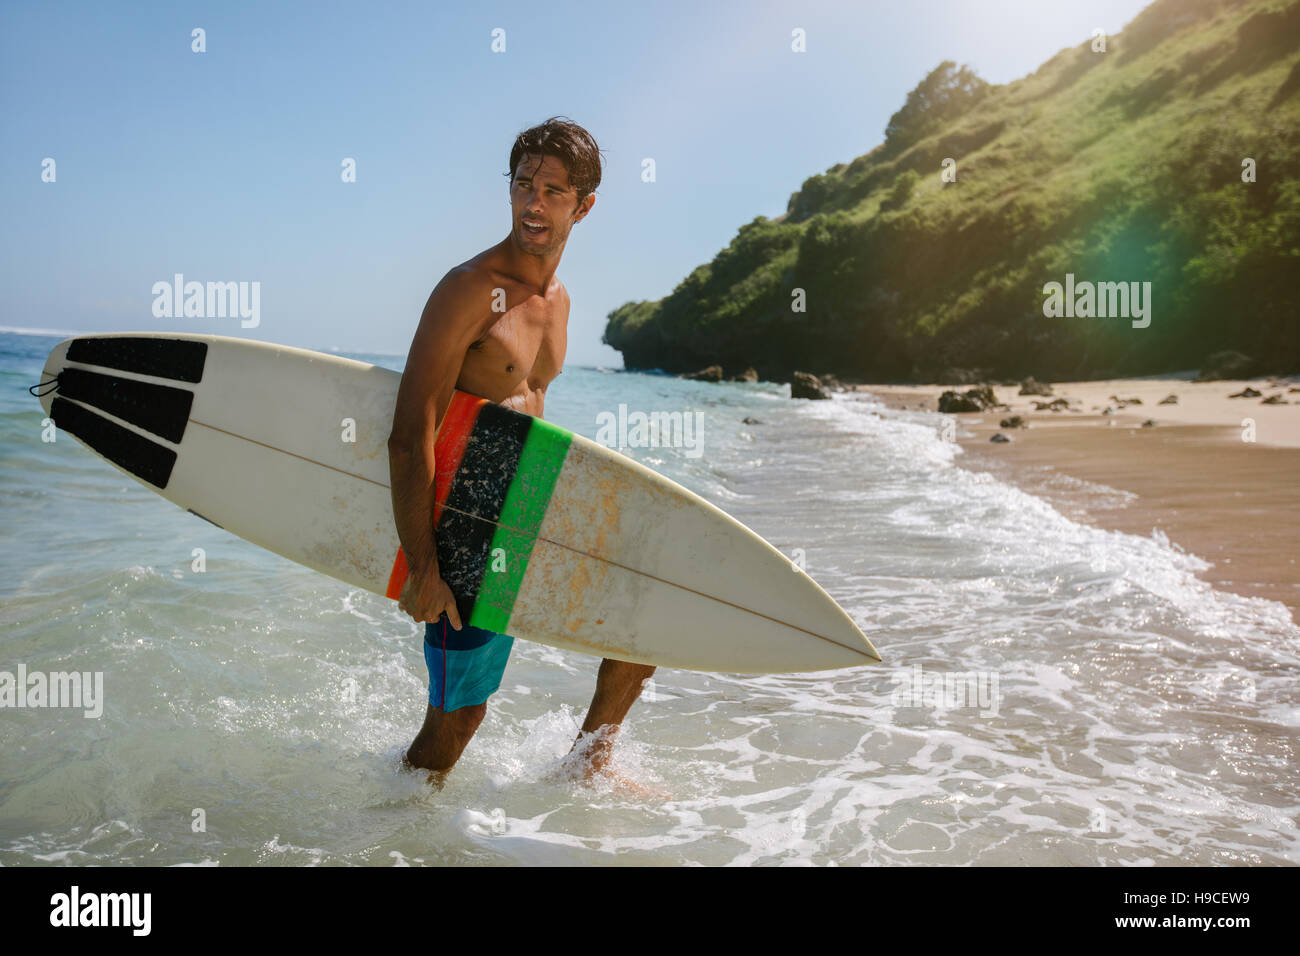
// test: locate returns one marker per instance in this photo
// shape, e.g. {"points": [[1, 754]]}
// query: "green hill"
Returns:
{"points": [[1115, 166]]}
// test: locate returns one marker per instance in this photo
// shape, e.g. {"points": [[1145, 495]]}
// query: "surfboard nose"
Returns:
{"points": [[47, 388]]}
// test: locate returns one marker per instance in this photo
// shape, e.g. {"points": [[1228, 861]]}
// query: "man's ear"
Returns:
{"points": [[584, 207]]}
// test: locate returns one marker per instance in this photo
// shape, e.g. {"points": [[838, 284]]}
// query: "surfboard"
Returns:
{"points": [[542, 534]]}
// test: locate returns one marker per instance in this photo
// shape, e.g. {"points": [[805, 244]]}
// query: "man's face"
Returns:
{"points": [[541, 193]]}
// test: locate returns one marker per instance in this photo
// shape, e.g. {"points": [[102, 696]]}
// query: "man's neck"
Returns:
{"points": [[533, 271]]}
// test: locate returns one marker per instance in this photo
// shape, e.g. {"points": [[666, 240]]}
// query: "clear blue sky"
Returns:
{"points": [[226, 165]]}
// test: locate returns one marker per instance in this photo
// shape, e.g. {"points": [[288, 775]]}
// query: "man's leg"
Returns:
{"points": [[618, 685], [444, 736], [465, 669]]}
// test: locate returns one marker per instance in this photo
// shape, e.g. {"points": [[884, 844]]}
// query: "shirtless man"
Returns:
{"points": [[510, 358]]}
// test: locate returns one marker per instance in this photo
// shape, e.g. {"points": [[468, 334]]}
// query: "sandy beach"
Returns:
{"points": [[1216, 475]]}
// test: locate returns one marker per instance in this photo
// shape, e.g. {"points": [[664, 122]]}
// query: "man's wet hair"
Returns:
{"points": [[570, 144]]}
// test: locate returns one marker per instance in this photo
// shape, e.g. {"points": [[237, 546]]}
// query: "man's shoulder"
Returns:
{"points": [[560, 294], [481, 273], [469, 287], [471, 274]]}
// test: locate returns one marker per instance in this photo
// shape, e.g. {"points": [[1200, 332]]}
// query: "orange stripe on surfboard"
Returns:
{"points": [[397, 578], [448, 450]]}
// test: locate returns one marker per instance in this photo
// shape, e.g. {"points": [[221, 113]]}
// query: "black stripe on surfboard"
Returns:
{"points": [[474, 501], [179, 359], [161, 409], [128, 450], [205, 518]]}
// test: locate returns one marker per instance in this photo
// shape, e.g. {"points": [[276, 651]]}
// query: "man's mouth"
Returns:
{"points": [[533, 227]]}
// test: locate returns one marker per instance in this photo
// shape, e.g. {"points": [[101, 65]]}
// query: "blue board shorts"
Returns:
{"points": [[465, 666]]}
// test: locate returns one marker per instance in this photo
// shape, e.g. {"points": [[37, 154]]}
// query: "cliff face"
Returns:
{"points": [[1117, 167]]}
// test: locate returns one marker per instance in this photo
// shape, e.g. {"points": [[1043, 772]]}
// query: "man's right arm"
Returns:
{"points": [[454, 317]]}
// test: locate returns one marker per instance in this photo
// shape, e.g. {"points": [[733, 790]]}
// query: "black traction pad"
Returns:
{"points": [[179, 359], [130, 451], [161, 409]]}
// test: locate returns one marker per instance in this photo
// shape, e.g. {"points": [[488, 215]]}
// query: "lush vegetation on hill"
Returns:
{"points": [[1116, 166]]}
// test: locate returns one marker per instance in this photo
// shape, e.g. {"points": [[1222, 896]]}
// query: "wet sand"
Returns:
{"points": [[1191, 476]]}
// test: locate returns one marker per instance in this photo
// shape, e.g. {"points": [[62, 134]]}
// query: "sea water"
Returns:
{"points": [[1051, 693]]}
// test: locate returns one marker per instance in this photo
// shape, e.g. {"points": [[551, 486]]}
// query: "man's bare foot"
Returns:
{"points": [[571, 770], [436, 778], [589, 762]]}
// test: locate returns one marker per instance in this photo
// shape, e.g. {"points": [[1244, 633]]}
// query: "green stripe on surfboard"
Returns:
{"points": [[525, 506]]}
